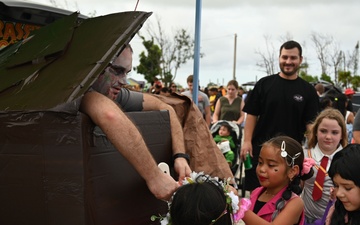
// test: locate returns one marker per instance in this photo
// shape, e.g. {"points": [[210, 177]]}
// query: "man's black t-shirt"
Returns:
{"points": [[283, 107]]}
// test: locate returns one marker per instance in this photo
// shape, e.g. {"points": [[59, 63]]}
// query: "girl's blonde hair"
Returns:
{"points": [[332, 114]]}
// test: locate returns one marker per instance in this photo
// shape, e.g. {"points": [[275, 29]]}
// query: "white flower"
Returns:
{"points": [[234, 201], [165, 220]]}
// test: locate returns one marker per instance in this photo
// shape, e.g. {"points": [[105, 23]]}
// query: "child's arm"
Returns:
{"points": [[288, 216]]}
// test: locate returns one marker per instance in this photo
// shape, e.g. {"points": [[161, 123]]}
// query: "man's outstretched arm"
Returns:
{"points": [[126, 138], [180, 165]]}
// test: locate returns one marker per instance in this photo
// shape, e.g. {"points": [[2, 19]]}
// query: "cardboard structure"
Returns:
{"points": [[55, 168]]}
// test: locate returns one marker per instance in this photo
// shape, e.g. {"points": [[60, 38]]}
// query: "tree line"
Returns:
{"points": [[333, 61]]}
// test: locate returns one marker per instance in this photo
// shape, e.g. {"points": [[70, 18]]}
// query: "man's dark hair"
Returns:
{"points": [[291, 45]]}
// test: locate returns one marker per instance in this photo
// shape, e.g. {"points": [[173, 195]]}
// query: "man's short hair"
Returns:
{"points": [[290, 45], [190, 79]]}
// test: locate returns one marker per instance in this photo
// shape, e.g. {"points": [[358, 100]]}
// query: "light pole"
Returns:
{"points": [[234, 67]]}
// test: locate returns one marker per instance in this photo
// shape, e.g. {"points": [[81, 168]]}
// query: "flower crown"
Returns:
{"points": [[232, 199]]}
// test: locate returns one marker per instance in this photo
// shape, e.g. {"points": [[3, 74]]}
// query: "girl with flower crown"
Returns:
{"points": [[280, 169], [327, 137]]}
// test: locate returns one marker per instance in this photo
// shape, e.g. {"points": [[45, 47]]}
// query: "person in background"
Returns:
{"points": [[156, 87], [165, 91], [226, 143], [282, 103], [349, 94], [213, 94], [173, 88], [206, 91], [344, 172], [327, 137], [229, 107], [203, 100], [320, 89], [340, 102], [356, 128], [241, 91], [222, 90]]}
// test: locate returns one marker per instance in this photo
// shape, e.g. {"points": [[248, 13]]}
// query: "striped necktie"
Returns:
{"points": [[320, 177]]}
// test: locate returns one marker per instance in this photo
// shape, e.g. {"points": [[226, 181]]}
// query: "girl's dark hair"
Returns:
{"points": [[292, 148], [200, 204], [346, 164]]}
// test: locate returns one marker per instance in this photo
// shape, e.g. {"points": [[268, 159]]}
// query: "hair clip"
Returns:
{"points": [[283, 152], [293, 159]]}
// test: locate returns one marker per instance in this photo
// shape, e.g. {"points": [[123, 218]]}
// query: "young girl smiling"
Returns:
{"points": [[328, 136], [280, 169]]}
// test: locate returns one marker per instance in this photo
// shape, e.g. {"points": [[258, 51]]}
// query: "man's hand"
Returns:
{"points": [[182, 168], [162, 186], [246, 148]]}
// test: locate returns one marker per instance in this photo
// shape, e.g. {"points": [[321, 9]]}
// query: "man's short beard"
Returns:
{"points": [[289, 74]]}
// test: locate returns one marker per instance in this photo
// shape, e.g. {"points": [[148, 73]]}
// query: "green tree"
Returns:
{"points": [[355, 82], [308, 77], [303, 73], [211, 84], [149, 63], [175, 51], [345, 78], [326, 77]]}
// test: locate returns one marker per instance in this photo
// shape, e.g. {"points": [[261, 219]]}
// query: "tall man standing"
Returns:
{"points": [[281, 103]]}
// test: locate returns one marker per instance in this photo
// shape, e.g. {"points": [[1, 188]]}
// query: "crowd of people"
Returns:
{"points": [[303, 169]]}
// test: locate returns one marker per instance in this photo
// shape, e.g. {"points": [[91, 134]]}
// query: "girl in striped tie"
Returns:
{"points": [[328, 136]]}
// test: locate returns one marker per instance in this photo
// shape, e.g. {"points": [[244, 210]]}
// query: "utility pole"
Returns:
{"points": [[197, 51], [234, 67]]}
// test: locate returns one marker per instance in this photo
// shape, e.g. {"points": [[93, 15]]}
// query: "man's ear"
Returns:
{"points": [[293, 172]]}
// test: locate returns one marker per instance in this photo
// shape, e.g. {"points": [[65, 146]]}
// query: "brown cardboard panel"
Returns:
{"points": [[41, 169], [55, 170], [109, 174]]}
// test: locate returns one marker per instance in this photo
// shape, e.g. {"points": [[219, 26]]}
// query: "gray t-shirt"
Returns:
{"points": [[203, 100], [130, 101]]}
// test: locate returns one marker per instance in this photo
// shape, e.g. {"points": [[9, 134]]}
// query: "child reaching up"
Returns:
{"points": [[344, 172], [225, 142], [280, 169], [327, 136]]}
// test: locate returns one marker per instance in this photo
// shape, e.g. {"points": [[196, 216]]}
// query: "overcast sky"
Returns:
{"points": [[251, 20]]}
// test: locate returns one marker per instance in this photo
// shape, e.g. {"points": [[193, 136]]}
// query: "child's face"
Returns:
{"points": [[328, 135], [347, 192], [272, 168], [224, 131]]}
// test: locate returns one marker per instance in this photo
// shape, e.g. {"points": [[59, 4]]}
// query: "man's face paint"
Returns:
{"points": [[114, 77]]}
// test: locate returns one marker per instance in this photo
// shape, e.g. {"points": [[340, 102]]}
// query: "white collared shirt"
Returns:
{"points": [[317, 155]]}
